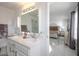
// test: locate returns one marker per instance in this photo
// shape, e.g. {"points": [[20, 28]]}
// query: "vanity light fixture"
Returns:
{"points": [[28, 8], [28, 5]]}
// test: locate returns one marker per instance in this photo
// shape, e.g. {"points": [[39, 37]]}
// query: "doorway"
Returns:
{"points": [[62, 28]]}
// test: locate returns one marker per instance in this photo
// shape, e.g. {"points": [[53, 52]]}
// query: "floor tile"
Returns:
{"points": [[58, 48]]}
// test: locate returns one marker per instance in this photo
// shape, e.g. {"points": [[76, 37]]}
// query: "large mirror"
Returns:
{"points": [[29, 22]]}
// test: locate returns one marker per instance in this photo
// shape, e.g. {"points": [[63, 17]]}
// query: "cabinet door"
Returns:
{"points": [[22, 49], [11, 49], [3, 51], [19, 53], [3, 47]]}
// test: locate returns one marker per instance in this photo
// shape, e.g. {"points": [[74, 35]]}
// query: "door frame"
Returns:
{"points": [[78, 32]]}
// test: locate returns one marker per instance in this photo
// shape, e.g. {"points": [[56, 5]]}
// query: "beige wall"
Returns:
{"points": [[8, 16]]}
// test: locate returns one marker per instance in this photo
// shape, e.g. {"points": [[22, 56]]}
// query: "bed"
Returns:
{"points": [[54, 31]]}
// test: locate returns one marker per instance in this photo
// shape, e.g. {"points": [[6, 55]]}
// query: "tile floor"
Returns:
{"points": [[57, 48]]}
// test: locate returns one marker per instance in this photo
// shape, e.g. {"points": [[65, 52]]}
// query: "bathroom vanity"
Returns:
{"points": [[17, 46]]}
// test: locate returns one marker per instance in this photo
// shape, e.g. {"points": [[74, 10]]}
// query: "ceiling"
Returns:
{"points": [[57, 9], [61, 9], [15, 5]]}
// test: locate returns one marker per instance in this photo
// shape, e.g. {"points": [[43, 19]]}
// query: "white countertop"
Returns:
{"points": [[28, 42]]}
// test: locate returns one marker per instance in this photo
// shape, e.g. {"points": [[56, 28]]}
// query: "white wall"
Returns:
{"points": [[44, 26], [8, 16]]}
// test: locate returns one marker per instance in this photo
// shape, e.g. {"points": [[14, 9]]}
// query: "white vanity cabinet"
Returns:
{"points": [[23, 47], [17, 46], [16, 49]]}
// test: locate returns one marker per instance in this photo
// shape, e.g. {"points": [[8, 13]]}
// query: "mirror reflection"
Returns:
{"points": [[29, 22]]}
